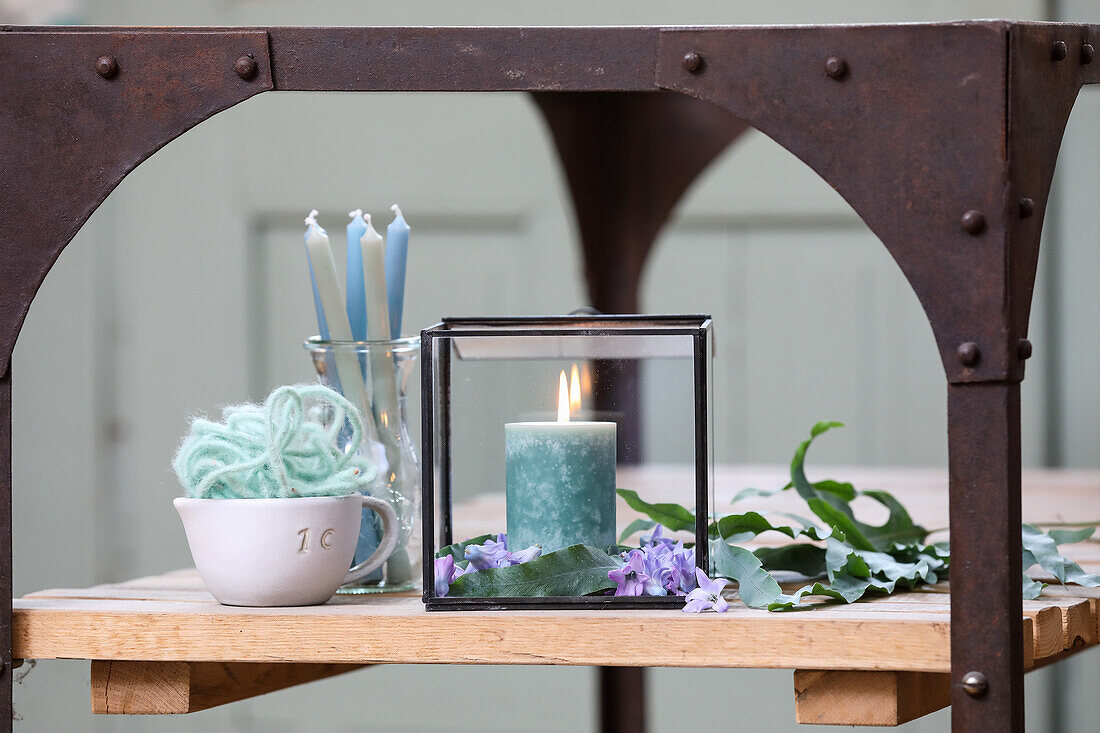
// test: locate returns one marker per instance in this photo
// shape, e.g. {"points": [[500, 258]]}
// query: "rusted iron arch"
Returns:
{"points": [[90, 107], [628, 158], [921, 145]]}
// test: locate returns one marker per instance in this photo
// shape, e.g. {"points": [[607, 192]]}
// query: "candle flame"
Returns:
{"points": [[574, 391], [563, 398]]}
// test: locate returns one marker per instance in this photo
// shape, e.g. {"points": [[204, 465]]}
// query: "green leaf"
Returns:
{"points": [[846, 590], [458, 549], [1032, 588], [898, 528], [798, 473], [751, 492], [750, 522], [801, 557], [579, 570], [638, 525], [1069, 536], [673, 516], [1040, 549], [755, 585], [844, 491], [840, 521]]}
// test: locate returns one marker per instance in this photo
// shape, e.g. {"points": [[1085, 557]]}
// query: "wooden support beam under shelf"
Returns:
{"points": [[847, 697], [160, 688]]}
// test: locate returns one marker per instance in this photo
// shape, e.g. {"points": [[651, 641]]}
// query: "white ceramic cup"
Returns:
{"points": [[281, 552]]}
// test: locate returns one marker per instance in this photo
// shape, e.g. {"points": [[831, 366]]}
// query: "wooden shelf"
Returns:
{"points": [[167, 633]]}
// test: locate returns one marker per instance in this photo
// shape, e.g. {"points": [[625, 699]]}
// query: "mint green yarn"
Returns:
{"points": [[275, 450]]}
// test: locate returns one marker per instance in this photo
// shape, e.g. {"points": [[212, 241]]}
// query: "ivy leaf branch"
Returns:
{"points": [[857, 559]]}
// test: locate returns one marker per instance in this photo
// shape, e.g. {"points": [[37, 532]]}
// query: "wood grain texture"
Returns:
{"points": [[164, 645], [398, 630], [832, 697], [159, 688]]}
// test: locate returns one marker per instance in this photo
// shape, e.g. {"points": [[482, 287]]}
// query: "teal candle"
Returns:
{"points": [[560, 480]]}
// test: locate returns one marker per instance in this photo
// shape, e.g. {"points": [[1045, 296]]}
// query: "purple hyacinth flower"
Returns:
{"points": [[658, 566], [444, 571], [518, 558], [658, 538], [707, 595], [683, 570], [631, 577], [490, 554], [459, 571]]}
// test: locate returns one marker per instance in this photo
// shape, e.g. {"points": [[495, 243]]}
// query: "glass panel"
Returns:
{"points": [[543, 430]]}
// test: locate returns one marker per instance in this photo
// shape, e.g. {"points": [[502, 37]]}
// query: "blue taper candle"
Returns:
{"points": [[397, 252], [356, 299]]}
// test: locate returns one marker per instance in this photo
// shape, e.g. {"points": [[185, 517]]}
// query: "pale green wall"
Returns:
{"points": [[185, 291]]}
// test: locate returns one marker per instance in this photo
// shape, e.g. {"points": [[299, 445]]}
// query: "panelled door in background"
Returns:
{"points": [[188, 290]]}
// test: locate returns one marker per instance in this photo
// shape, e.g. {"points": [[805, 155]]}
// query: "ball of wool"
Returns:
{"points": [[276, 450]]}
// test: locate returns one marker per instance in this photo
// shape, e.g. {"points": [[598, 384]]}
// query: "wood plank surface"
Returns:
{"points": [[398, 630], [162, 644]]}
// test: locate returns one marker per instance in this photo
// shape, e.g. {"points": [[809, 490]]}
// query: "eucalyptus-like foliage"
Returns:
{"points": [[857, 559]]}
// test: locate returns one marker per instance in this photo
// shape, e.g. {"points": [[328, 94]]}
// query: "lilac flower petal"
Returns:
{"points": [[712, 587], [459, 571], [444, 569], [517, 558], [699, 594], [696, 605], [721, 605]]}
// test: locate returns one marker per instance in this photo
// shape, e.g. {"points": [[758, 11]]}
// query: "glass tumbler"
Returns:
{"points": [[375, 376]]}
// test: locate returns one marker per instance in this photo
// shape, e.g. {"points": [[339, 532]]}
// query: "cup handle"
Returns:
{"points": [[386, 547]]}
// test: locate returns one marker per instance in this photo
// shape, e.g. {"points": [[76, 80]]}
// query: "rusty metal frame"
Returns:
{"points": [[942, 137]]}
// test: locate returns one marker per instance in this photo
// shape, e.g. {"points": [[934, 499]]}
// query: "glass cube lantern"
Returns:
{"points": [[540, 429]]}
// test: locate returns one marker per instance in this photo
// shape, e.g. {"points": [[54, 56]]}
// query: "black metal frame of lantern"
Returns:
{"points": [[436, 385]]}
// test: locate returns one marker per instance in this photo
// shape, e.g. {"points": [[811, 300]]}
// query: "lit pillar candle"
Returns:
{"points": [[560, 480]]}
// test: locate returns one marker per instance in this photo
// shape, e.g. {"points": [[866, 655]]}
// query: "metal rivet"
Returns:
{"points": [[968, 353], [973, 222], [246, 67], [1059, 50], [1027, 208], [1087, 53], [692, 62], [1023, 349], [835, 67], [975, 684], [106, 66]]}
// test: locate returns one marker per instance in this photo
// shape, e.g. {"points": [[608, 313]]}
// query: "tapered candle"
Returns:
{"points": [[328, 288], [383, 376], [397, 253], [560, 479], [322, 323], [357, 304]]}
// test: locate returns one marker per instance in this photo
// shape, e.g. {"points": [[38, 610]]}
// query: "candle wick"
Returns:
{"points": [[311, 220], [397, 211], [357, 212]]}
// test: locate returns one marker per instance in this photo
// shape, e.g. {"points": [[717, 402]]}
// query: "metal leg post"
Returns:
{"points": [[987, 667], [5, 553], [622, 699]]}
